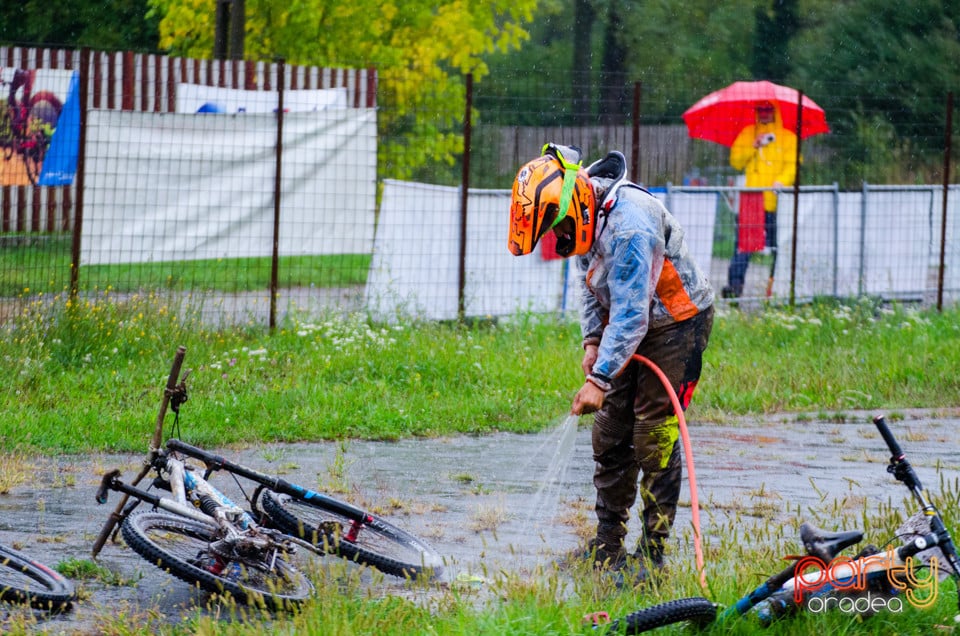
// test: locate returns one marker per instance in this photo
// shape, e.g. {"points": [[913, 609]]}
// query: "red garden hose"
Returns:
{"points": [[688, 453]]}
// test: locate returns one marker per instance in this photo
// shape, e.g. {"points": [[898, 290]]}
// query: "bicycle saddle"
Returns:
{"points": [[827, 545]]}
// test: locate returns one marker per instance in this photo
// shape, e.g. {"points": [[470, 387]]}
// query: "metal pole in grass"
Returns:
{"points": [[275, 256], [946, 190], [464, 189], [796, 207], [79, 179]]}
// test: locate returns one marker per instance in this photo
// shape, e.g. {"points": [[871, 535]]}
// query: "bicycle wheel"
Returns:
{"points": [[695, 609], [374, 542], [23, 580], [183, 547]]}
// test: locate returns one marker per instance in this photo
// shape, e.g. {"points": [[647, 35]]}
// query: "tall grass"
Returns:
{"points": [[89, 376]]}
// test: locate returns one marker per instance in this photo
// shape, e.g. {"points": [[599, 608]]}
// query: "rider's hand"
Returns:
{"points": [[589, 358], [588, 399]]}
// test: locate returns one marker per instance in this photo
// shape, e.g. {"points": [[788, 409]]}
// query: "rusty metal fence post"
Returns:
{"points": [[464, 191], [946, 191], [277, 187], [79, 178]]}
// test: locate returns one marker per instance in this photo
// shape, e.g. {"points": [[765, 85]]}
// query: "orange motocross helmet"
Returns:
{"points": [[546, 191]]}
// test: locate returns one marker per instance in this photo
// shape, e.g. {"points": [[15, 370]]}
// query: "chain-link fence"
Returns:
{"points": [[253, 190]]}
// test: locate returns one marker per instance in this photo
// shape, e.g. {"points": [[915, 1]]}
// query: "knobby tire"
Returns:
{"points": [[696, 609], [180, 546], [23, 580], [378, 543]]}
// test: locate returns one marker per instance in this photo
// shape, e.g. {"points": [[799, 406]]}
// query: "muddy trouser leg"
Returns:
{"points": [[678, 350], [616, 472]]}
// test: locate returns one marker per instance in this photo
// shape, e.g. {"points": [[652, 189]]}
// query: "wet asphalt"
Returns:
{"points": [[501, 501]]}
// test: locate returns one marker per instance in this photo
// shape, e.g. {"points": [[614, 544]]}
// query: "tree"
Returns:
{"points": [[882, 71], [583, 21], [681, 51], [420, 50], [615, 103], [103, 24], [776, 26]]}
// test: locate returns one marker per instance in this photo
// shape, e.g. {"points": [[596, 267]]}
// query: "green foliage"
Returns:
{"points": [[775, 27], [420, 49], [109, 25], [883, 70]]}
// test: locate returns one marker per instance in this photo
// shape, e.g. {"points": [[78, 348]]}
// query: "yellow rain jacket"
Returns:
{"points": [[773, 162]]}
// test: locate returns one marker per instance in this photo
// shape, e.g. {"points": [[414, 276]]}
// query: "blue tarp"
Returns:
{"points": [[60, 162]]}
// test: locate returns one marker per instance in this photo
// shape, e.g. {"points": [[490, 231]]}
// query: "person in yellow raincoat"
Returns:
{"points": [[767, 153]]}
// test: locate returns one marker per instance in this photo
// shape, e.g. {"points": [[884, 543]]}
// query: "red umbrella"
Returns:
{"points": [[721, 115]]}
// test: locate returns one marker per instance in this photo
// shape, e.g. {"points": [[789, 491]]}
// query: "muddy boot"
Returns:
{"points": [[645, 565], [606, 555], [652, 555]]}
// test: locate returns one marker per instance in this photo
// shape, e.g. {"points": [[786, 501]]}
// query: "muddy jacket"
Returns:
{"points": [[638, 275]]}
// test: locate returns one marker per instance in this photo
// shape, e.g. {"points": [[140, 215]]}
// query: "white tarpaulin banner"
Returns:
{"points": [[697, 214], [839, 242], [162, 187], [415, 266], [951, 278], [197, 98]]}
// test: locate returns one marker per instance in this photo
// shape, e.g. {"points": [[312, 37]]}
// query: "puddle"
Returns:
{"points": [[487, 503]]}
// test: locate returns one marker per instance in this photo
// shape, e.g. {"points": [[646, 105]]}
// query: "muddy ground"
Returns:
{"points": [[485, 503]]}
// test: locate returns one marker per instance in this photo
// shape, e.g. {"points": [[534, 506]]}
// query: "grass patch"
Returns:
{"points": [[555, 598], [99, 367], [17, 469], [42, 264], [87, 570]]}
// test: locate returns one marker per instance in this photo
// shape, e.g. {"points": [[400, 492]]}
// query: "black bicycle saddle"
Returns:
{"points": [[827, 545]]}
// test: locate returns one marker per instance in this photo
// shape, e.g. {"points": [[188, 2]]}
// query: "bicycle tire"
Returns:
{"points": [[695, 609], [26, 581], [377, 542], [181, 547]]}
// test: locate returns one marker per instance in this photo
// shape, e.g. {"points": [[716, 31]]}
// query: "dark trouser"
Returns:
{"points": [[637, 430], [737, 273]]}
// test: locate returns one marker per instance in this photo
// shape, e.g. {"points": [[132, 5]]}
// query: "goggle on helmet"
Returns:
{"points": [[547, 190]]}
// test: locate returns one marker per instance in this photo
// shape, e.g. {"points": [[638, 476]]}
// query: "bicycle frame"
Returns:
{"points": [[183, 481], [893, 568], [358, 517], [280, 514]]}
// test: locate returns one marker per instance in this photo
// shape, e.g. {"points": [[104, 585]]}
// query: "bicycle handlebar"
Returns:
{"points": [[918, 545], [881, 424], [901, 469]]}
